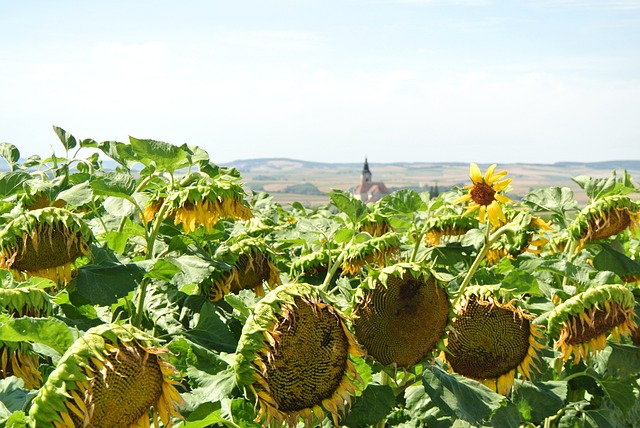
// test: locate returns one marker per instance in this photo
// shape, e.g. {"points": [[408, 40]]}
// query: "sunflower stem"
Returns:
{"points": [[489, 240], [385, 379], [142, 294], [332, 271]]}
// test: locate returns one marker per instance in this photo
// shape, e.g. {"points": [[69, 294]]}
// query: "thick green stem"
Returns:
{"points": [[385, 379], [332, 271], [489, 240], [142, 294]]}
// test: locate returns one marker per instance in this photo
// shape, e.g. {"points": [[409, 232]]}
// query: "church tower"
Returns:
{"points": [[365, 176]]}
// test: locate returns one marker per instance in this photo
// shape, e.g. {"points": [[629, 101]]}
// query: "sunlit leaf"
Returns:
{"points": [[67, 140], [47, 331], [9, 153], [405, 201], [354, 208], [12, 182], [114, 184], [459, 396], [555, 200], [163, 155], [538, 400], [77, 195]]}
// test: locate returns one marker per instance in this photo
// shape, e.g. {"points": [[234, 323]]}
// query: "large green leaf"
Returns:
{"points": [[77, 195], [620, 391], [163, 155], [596, 188], [405, 201], [119, 152], [539, 400], [354, 208], [555, 200], [67, 140], [47, 331], [465, 398], [205, 415], [11, 182], [211, 331], [519, 282], [104, 285], [10, 153], [619, 360], [114, 184], [375, 403], [12, 393], [615, 261]]}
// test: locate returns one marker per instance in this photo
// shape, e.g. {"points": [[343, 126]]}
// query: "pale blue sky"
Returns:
{"points": [[330, 81]]}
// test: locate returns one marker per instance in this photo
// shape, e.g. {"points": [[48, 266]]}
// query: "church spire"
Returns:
{"points": [[366, 173]]}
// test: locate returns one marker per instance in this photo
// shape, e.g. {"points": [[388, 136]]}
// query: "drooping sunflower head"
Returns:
{"points": [[580, 324], [45, 243], [447, 228], [26, 302], [112, 376], [529, 237], [604, 218], [400, 314], [376, 252], [207, 202], [295, 358], [40, 200], [251, 264], [18, 359], [375, 225], [313, 266], [492, 339], [484, 195]]}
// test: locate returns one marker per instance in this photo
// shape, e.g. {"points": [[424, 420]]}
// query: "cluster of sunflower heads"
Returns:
{"points": [[295, 358], [491, 339], [112, 376], [580, 324], [251, 264], [603, 218], [45, 243], [400, 314]]}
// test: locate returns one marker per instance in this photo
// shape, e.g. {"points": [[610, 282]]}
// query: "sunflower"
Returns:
{"points": [[491, 339], [400, 314], [295, 358], [448, 227], [375, 225], [110, 377], [376, 251], [485, 195], [527, 238], [18, 358], [45, 243], [252, 264], [41, 200], [202, 204], [604, 218], [312, 266], [580, 324]]}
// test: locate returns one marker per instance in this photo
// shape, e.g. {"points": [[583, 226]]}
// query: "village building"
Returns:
{"points": [[368, 190]]}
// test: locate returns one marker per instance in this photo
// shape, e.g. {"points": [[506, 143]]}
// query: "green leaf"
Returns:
{"points": [[615, 261], [620, 391], [243, 413], [211, 331], [12, 182], [12, 393], [192, 269], [555, 200], [465, 398], [104, 285], [10, 153], [163, 270], [77, 195], [114, 184], [205, 415], [119, 207], [68, 140], [47, 331], [539, 400], [163, 155], [375, 403], [596, 188], [212, 387], [354, 208], [405, 201], [343, 235], [119, 152], [619, 360], [117, 241], [521, 282]]}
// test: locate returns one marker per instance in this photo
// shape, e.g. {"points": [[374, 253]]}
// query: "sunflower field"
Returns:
{"points": [[160, 292]]}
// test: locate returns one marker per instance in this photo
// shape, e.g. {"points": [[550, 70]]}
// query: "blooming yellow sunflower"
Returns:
{"points": [[580, 324], [491, 339], [295, 358], [484, 194], [112, 376]]}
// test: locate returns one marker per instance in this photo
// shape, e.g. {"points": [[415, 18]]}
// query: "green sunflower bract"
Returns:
{"points": [[110, 377], [295, 358]]}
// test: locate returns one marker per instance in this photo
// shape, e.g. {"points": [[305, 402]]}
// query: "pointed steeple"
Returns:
{"points": [[366, 173]]}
